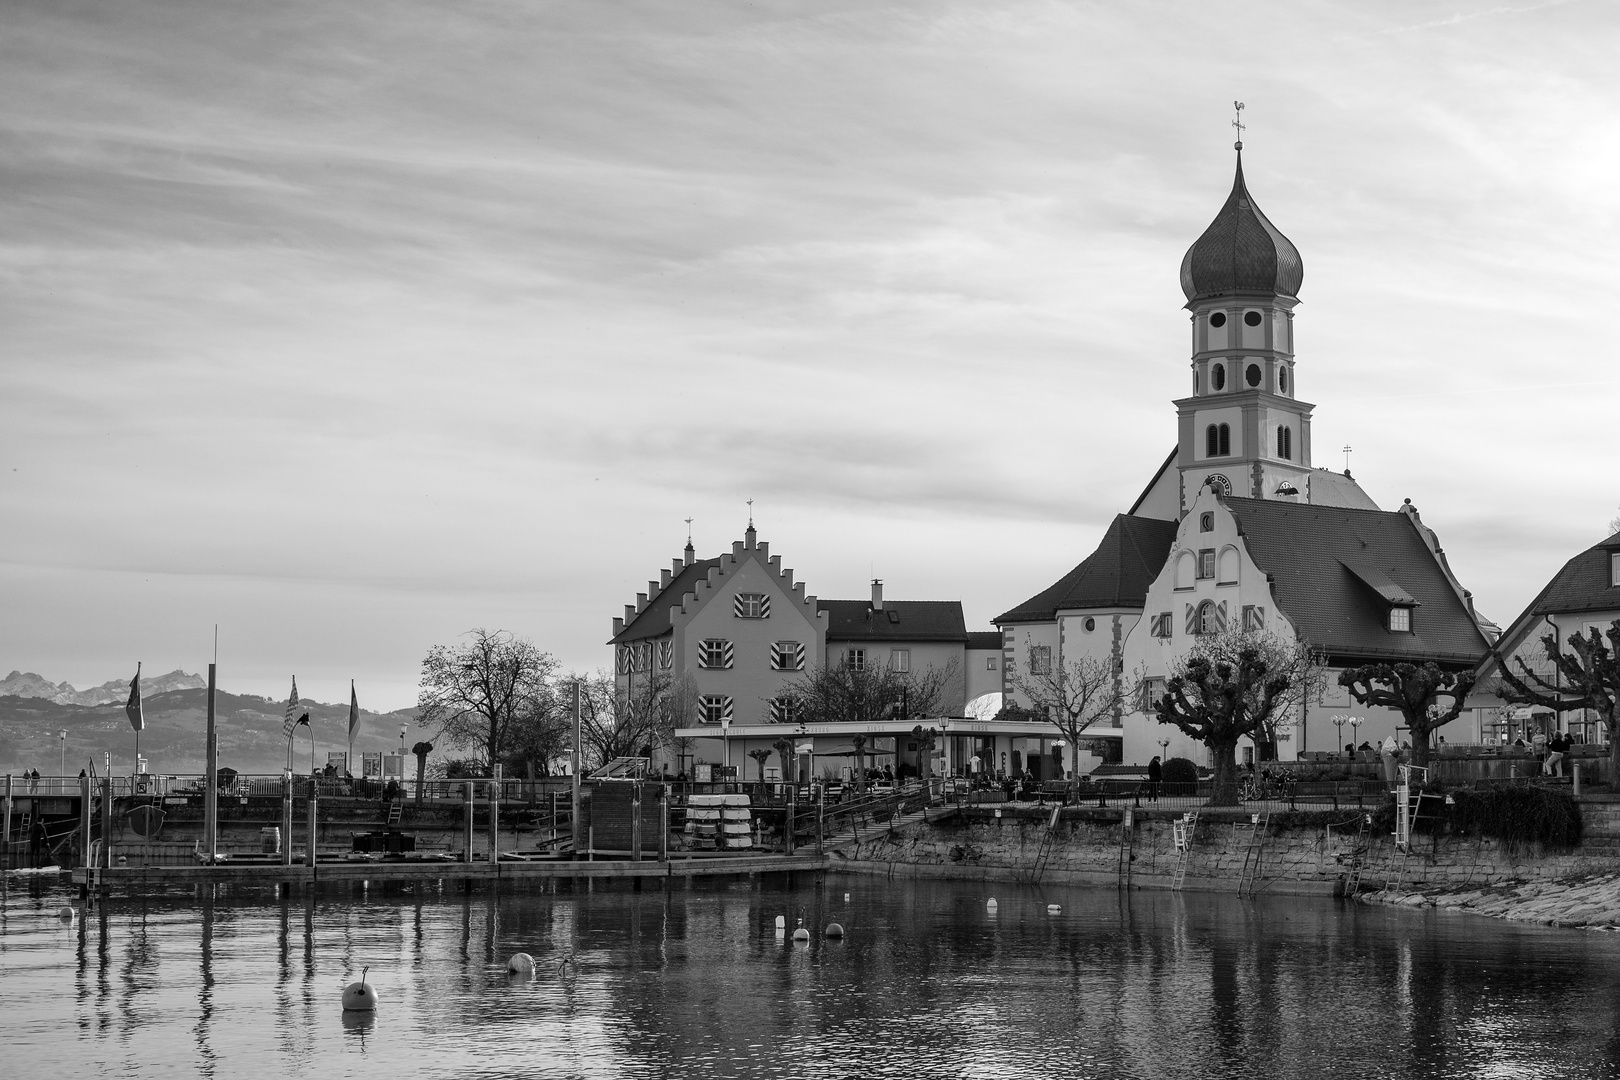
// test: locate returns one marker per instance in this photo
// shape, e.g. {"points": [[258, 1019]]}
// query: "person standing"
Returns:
{"points": [[1557, 747], [1390, 751], [1155, 776], [1538, 747]]}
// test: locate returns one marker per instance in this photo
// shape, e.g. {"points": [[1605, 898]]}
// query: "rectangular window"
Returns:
{"points": [[1152, 691], [1400, 620], [855, 659], [784, 710], [715, 708], [751, 605], [715, 653], [1254, 617], [1206, 563], [787, 656], [989, 663], [899, 659], [1040, 660], [1614, 569], [1161, 625]]}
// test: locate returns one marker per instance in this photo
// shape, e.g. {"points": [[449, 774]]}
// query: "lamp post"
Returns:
{"points": [[1164, 747], [402, 729], [725, 742], [1338, 724], [1355, 724], [62, 735]]}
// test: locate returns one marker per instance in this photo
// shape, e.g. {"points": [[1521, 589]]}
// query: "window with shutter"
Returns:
{"points": [[787, 656], [715, 708], [716, 653], [751, 605], [784, 710]]}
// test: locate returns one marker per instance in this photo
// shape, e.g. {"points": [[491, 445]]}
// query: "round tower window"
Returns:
{"points": [[1217, 376], [1218, 319], [1251, 318], [1090, 624], [1251, 374]]}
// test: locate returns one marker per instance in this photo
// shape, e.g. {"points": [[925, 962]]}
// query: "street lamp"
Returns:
{"points": [[1355, 723], [402, 729], [1164, 747], [1338, 724], [63, 736]]}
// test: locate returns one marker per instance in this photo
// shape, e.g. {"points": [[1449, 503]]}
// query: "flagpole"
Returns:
{"points": [[211, 781]]}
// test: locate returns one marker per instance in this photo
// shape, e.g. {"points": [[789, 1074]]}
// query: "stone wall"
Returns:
{"points": [[1301, 852]]}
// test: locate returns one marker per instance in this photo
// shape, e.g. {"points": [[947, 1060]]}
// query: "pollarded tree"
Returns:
{"points": [[1234, 685], [858, 741], [1073, 695], [421, 750], [760, 756], [477, 694], [784, 748], [1416, 691], [1588, 678]]}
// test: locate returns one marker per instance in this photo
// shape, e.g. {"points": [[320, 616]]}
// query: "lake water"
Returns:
{"points": [[694, 982]]}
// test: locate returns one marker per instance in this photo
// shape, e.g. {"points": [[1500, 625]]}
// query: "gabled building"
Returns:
{"points": [[1583, 595]]}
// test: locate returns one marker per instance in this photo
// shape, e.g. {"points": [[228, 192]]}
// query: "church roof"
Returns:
{"points": [[652, 621], [896, 620], [1335, 572], [1117, 574], [1241, 252]]}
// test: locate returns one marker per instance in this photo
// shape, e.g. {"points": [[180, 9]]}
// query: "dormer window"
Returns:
{"points": [[1400, 620]]}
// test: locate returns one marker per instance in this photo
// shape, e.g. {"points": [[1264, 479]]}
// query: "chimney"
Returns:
{"points": [[877, 594]]}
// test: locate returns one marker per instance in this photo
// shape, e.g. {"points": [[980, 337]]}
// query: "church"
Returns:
{"points": [[1237, 528]]}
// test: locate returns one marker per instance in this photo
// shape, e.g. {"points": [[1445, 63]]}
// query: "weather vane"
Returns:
{"points": [[689, 530], [750, 513], [1237, 109]]}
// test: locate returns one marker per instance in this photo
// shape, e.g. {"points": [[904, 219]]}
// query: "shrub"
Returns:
{"points": [[1516, 813], [1178, 770]]}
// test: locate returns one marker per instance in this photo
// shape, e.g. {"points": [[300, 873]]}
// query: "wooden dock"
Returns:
{"points": [[139, 879]]}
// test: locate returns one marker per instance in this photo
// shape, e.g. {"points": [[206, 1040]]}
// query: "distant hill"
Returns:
{"points": [[27, 684], [250, 730]]}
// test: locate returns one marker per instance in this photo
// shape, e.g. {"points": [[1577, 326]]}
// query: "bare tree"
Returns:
{"points": [[1586, 677], [1416, 692], [477, 694], [421, 750], [1231, 686], [632, 723], [760, 756], [838, 692], [1073, 695]]}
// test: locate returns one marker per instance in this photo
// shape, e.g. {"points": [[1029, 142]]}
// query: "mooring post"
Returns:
{"points": [[84, 822], [1574, 774], [106, 821], [286, 817], [663, 823], [791, 813], [495, 815], [467, 821], [7, 857], [635, 823], [314, 803]]}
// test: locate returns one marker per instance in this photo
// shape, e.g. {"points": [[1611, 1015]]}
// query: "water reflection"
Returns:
{"points": [[695, 979]]}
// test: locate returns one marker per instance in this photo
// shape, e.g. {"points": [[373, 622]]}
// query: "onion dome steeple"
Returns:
{"points": [[1241, 253]]}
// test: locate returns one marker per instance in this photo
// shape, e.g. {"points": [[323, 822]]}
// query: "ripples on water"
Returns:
{"points": [[695, 983]]}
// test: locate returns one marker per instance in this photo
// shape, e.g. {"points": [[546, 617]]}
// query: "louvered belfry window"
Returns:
{"points": [[716, 653], [787, 656], [751, 605]]}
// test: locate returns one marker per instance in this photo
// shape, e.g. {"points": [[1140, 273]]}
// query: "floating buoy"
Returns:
{"points": [[781, 922], [835, 930], [66, 914], [359, 996], [521, 964], [990, 905], [846, 898], [801, 934], [1054, 909]]}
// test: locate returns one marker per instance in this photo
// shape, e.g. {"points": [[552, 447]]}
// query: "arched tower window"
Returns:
{"points": [[1282, 380], [1225, 440], [1217, 376], [1212, 441], [1285, 443]]}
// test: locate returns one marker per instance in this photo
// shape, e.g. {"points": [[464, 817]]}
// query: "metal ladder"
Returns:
{"points": [[1358, 856], [1181, 831], [1254, 857], [1043, 854], [395, 808], [1127, 844]]}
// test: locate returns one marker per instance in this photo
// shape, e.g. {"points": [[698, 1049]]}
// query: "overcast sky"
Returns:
{"points": [[350, 327]]}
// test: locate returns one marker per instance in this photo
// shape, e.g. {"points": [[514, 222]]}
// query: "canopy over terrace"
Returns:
{"points": [[1000, 745]]}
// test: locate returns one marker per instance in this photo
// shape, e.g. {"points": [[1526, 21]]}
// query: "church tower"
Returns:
{"points": [[1243, 428]]}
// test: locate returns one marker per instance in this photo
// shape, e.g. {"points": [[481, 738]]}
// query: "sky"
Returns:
{"points": [[348, 328]]}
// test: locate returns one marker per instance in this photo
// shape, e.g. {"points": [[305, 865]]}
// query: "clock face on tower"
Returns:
{"points": [[1219, 483]]}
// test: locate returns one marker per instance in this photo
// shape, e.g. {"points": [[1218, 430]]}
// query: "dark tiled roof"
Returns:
{"points": [[1582, 585], [653, 620], [1309, 552], [1241, 252], [1117, 574], [899, 620], [984, 639]]}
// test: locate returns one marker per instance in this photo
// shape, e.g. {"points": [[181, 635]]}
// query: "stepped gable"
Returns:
{"points": [[1334, 572], [653, 620], [1127, 560], [896, 620]]}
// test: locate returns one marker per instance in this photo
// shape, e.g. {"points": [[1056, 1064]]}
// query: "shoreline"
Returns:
{"points": [[1586, 902]]}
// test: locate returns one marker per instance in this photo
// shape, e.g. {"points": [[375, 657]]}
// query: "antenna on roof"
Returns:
{"points": [[1237, 110]]}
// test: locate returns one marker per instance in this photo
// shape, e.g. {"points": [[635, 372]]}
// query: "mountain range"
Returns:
{"points": [[52, 726]]}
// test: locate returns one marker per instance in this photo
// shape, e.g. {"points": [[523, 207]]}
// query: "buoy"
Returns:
{"points": [[990, 905], [1054, 909], [359, 996], [835, 930], [521, 964], [846, 898], [801, 934], [66, 914], [781, 922]]}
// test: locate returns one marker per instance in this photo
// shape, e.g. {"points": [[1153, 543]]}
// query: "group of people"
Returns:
{"points": [[1552, 751]]}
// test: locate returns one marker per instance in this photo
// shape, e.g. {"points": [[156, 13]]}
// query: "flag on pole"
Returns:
{"points": [[133, 709], [292, 704], [354, 712]]}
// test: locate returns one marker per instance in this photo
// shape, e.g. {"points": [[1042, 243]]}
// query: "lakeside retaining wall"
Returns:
{"points": [[1302, 852]]}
